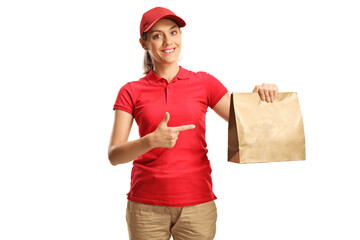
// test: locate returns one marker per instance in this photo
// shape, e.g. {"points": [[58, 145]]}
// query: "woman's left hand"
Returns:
{"points": [[267, 92]]}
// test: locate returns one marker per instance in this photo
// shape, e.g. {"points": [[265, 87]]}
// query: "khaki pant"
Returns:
{"points": [[155, 222]]}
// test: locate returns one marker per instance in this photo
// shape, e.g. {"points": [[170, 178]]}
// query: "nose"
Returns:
{"points": [[167, 40]]}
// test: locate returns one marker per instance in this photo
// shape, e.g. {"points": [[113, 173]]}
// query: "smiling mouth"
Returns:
{"points": [[168, 50]]}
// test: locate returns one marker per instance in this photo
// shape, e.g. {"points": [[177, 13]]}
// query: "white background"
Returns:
{"points": [[63, 63]]}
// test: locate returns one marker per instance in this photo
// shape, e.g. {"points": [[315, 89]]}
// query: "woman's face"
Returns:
{"points": [[163, 41]]}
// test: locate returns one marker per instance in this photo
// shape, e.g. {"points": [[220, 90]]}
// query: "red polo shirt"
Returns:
{"points": [[181, 175]]}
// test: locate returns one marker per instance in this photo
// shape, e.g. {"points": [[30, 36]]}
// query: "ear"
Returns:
{"points": [[143, 44]]}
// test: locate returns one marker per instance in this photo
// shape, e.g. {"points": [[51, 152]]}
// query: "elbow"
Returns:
{"points": [[115, 157], [111, 157], [111, 161], [117, 154]]}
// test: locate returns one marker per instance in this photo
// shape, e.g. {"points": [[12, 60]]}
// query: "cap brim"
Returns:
{"points": [[177, 19]]}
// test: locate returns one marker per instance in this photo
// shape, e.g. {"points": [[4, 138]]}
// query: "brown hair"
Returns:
{"points": [[148, 63]]}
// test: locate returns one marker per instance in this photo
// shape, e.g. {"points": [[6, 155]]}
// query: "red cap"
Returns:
{"points": [[151, 17]]}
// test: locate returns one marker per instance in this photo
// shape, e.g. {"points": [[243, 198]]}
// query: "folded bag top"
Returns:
{"points": [[259, 131]]}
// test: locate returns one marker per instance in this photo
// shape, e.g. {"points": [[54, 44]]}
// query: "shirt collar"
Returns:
{"points": [[182, 74]]}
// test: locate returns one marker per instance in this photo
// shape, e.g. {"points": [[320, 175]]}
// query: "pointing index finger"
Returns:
{"points": [[184, 127]]}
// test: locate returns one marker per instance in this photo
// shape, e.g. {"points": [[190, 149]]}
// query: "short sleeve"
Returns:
{"points": [[215, 90], [124, 100]]}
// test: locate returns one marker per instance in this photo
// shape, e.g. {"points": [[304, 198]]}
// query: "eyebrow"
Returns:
{"points": [[160, 31]]}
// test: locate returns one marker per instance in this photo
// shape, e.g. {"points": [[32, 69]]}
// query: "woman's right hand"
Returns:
{"points": [[165, 136]]}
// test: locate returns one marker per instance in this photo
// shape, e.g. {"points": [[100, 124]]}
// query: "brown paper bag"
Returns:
{"points": [[265, 132]]}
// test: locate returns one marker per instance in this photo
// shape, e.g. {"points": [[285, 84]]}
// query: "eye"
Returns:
{"points": [[174, 32], [156, 36]]}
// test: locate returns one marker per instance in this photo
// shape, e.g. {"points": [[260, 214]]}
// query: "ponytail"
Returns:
{"points": [[148, 63]]}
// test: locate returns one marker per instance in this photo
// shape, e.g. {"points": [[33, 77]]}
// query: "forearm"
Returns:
{"points": [[129, 151]]}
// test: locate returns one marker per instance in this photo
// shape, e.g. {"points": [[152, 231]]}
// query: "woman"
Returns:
{"points": [[171, 186]]}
